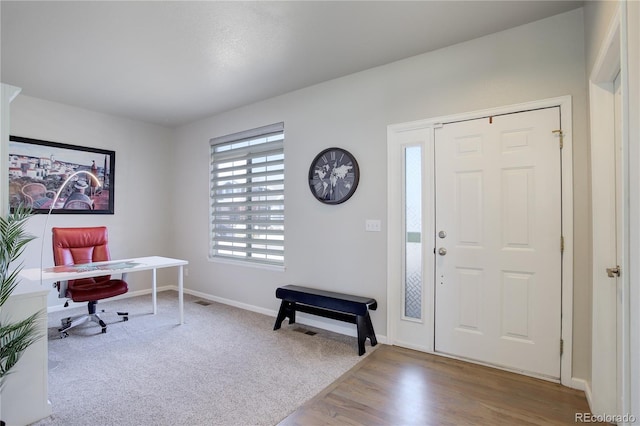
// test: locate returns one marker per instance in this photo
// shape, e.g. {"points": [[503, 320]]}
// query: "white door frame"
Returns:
{"points": [[394, 217], [631, 59], [608, 392]]}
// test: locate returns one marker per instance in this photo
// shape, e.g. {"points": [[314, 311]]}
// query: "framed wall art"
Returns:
{"points": [[39, 169]]}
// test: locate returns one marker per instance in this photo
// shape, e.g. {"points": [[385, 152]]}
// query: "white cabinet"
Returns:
{"points": [[25, 393]]}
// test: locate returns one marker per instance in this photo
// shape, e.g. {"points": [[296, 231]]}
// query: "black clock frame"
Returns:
{"points": [[312, 176]]}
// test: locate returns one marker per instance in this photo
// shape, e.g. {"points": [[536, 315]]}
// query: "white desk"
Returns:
{"points": [[72, 272]]}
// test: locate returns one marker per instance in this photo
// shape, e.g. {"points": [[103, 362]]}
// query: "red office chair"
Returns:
{"points": [[72, 246]]}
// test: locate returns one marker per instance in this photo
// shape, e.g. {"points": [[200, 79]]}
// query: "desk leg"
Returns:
{"points": [[154, 292], [180, 293]]}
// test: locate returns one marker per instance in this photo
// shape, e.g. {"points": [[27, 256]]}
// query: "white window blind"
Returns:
{"points": [[247, 196]]}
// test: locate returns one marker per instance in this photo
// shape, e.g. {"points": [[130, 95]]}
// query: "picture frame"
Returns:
{"points": [[38, 170]]}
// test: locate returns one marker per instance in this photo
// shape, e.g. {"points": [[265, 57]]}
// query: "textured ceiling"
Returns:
{"points": [[171, 63]]}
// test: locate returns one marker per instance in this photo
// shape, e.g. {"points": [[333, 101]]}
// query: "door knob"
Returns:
{"points": [[442, 251]]}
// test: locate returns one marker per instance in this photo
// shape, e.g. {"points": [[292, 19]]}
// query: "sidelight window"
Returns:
{"points": [[413, 275]]}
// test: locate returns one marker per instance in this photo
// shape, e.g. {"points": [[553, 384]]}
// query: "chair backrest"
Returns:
{"points": [[32, 189], [78, 205], [34, 192], [73, 246]]}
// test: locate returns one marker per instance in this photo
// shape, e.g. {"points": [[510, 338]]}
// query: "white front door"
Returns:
{"points": [[498, 226]]}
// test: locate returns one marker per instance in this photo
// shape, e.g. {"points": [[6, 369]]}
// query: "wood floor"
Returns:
{"points": [[397, 386]]}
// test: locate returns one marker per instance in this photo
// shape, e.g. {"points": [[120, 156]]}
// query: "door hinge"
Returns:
{"points": [[561, 244], [613, 272], [561, 135], [561, 346]]}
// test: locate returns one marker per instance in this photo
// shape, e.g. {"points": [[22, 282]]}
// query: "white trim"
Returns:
{"points": [[588, 394], [566, 369], [394, 245], [624, 317], [603, 247], [394, 222], [632, 54], [579, 384]]}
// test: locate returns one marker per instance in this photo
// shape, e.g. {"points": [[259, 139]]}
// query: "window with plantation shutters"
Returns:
{"points": [[247, 196]]}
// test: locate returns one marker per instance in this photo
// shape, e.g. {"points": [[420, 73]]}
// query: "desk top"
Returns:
{"points": [[85, 270]]}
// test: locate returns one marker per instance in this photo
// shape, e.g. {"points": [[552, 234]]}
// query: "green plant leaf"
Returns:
{"points": [[15, 337]]}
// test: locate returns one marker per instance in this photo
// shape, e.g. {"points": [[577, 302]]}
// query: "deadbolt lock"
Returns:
{"points": [[613, 272]]}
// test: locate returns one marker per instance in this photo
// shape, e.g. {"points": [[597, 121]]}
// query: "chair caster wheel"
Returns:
{"points": [[125, 318], [104, 330], [64, 335]]}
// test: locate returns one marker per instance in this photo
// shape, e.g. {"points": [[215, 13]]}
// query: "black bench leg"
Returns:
{"points": [[287, 309], [370, 333], [365, 329]]}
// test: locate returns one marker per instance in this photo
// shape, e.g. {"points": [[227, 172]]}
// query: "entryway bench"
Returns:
{"points": [[328, 304]]}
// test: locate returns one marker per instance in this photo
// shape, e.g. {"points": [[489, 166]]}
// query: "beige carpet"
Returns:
{"points": [[224, 366]]}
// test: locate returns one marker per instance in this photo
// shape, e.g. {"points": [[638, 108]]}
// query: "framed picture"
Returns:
{"points": [[42, 171]]}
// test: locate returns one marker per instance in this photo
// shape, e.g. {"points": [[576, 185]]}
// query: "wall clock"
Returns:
{"points": [[333, 176]]}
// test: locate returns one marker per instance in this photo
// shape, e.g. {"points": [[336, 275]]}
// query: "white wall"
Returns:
{"points": [[597, 17], [143, 181], [326, 246]]}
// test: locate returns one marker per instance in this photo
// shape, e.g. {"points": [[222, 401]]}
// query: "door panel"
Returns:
{"points": [[498, 275]]}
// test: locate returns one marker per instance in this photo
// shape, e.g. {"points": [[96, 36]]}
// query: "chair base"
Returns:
{"points": [[71, 322]]}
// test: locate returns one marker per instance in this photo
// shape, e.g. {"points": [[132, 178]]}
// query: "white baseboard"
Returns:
{"points": [[579, 384], [587, 393], [230, 302]]}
